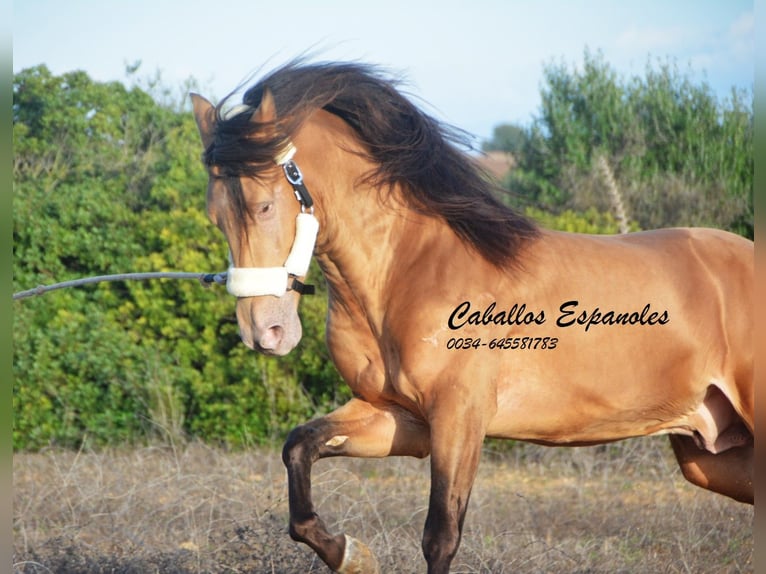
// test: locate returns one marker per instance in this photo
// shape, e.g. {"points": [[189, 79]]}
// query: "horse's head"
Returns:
{"points": [[264, 211]]}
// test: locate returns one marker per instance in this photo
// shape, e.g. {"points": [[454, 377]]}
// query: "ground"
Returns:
{"points": [[197, 509]]}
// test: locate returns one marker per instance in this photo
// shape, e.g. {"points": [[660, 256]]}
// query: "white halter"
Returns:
{"points": [[259, 281]]}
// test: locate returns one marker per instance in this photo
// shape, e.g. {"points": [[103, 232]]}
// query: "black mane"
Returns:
{"points": [[409, 147]]}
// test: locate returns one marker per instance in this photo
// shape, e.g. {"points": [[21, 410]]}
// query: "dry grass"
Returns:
{"points": [[620, 508]]}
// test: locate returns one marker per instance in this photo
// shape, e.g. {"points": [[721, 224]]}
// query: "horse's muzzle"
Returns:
{"points": [[268, 329]]}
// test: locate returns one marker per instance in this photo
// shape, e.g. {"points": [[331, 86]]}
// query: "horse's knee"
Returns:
{"points": [[299, 445], [291, 444]]}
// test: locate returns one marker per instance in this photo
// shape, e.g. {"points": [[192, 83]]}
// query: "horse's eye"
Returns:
{"points": [[264, 209]]}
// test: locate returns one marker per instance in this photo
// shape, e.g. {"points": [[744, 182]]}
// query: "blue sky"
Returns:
{"points": [[477, 63]]}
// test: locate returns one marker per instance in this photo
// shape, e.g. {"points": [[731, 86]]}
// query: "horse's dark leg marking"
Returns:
{"points": [[356, 429], [300, 451]]}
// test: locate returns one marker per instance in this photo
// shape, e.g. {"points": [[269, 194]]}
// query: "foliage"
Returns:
{"points": [[107, 180], [679, 155], [588, 221], [506, 137]]}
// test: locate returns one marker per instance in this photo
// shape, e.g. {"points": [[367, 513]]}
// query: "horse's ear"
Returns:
{"points": [[267, 111], [204, 114]]}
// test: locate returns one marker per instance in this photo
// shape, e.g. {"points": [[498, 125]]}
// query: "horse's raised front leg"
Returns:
{"points": [[458, 425], [356, 429]]}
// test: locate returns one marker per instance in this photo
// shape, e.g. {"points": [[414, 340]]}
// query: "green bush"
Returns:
{"points": [[680, 156], [589, 221]]}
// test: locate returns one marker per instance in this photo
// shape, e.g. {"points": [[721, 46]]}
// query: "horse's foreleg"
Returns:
{"points": [[356, 429], [457, 434]]}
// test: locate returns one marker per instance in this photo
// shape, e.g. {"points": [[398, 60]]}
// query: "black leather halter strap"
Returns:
{"points": [[302, 288], [295, 177]]}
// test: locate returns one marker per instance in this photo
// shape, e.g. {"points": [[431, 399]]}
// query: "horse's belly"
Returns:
{"points": [[629, 400], [557, 422], [595, 390]]}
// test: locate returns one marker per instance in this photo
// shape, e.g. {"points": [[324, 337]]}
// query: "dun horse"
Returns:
{"points": [[454, 318]]}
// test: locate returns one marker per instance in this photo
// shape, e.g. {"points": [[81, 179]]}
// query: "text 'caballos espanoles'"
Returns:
{"points": [[569, 314]]}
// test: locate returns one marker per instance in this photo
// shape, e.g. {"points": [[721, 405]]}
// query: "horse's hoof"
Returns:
{"points": [[358, 559]]}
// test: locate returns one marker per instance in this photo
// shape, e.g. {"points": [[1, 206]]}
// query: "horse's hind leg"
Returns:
{"points": [[729, 472], [356, 429]]}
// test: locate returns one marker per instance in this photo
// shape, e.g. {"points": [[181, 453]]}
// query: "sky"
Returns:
{"points": [[474, 64]]}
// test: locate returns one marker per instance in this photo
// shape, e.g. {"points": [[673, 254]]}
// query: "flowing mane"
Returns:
{"points": [[410, 148]]}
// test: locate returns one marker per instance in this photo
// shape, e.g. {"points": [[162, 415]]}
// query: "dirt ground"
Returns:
{"points": [[197, 509]]}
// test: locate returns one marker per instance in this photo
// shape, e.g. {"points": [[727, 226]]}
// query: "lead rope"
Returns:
{"points": [[205, 280]]}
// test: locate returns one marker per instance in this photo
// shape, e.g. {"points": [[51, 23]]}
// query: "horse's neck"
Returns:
{"points": [[358, 236], [367, 247], [368, 237]]}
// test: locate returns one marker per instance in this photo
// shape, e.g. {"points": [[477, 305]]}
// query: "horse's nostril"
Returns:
{"points": [[271, 338]]}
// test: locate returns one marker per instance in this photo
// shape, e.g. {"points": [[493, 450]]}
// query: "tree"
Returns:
{"points": [[506, 137], [679, 155]]}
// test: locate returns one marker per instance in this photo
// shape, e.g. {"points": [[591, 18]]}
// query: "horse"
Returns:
{"points": [[454, 317]]}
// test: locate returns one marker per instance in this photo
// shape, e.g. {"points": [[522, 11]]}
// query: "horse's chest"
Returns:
{"points": [[358, 361], [374, 374]]}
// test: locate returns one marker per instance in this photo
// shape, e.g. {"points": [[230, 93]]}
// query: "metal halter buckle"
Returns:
{"points": [[295, 177]]}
